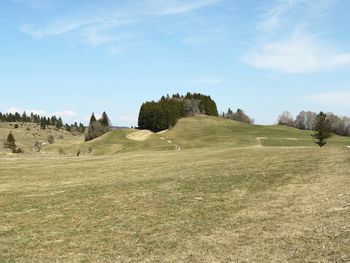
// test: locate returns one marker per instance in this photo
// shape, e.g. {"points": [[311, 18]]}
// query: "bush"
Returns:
{"points": [[16, 126], [51, 139], [90, 149], [61, 151], [37, 146], [17, 150]]}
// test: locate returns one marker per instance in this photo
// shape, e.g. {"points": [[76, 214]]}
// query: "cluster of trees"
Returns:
{"points": [[165, 113], [239, 115], [307, 121], [98, 127], [42, 121]]}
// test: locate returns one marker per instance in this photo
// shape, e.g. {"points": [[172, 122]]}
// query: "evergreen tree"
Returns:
{"points": [[59, 123], [10, 141], [105, 122], [323, 129], [93, 118], [43, 123], [97, 128]]}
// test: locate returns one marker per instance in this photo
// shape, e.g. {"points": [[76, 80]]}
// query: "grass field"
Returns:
{"points": [[233, 193]]}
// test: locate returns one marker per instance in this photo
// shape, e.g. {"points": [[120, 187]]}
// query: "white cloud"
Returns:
{"points": [[331, 98], [285, 45], [20, 110], [68, 114], [298, 54], [65, 114]]}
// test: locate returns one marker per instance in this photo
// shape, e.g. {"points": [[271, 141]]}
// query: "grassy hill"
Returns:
{"points": [[194, 132], [28, 133]]}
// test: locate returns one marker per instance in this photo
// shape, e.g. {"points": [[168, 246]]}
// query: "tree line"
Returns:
{"points": [[239, 115], [164, 114], [42, 121], [340, 125]]}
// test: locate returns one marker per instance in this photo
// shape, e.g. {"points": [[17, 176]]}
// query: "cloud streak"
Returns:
{"points": [[101, 24], [274, 18]]}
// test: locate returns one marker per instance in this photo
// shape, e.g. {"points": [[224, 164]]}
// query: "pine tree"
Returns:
{"points": [[323, 129], [43, 123], [105, 120], [92, 119], [10, 141], [59, 123]]}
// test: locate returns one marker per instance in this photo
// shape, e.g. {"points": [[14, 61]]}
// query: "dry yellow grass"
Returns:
{"points": [[268, 204]]}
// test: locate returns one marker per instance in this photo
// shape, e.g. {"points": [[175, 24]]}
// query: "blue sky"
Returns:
{"points": [[72, 57]]}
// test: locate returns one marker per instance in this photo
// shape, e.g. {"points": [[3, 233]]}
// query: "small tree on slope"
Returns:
{"points": [[10, 142], [323, 129]]}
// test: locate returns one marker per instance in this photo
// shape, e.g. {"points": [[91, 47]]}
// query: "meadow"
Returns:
{"points": [[209, 190]]}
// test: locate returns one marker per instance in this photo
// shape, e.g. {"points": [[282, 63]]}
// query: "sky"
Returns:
{"points": [[74, 57]]}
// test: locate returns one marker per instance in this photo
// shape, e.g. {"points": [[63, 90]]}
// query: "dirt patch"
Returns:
{"points": [[162, 132], [139, 135]]}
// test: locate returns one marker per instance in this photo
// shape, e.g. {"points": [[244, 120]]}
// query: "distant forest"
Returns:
{"points": [[42, 121], [164, 114], [306, 121]]}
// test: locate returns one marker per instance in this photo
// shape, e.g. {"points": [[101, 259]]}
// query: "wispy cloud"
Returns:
{"points": [[274, 18], [102, 24], [298, 54], [330, 98], [286, 45]]}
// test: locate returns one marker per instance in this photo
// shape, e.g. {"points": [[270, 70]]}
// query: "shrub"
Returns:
{"points": [[51, 139], [16, 126], [90, 149], [17, 150], [61, 151], [37, 146]]}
